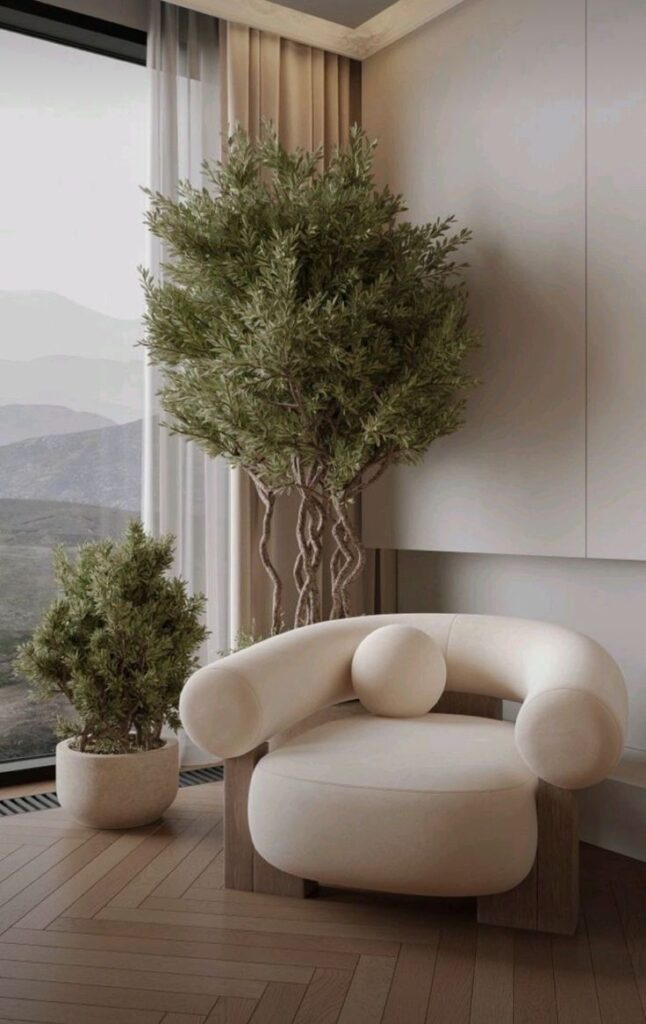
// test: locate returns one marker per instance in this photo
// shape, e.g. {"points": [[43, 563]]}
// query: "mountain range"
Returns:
{"points": [[107, 387], [37, 323], [19, 422], [99, 467]]}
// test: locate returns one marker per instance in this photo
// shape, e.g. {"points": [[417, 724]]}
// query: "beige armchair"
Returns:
{"points": [[456, 802]]}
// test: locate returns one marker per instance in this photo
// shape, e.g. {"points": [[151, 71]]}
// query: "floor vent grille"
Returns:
{"points": [[46, 801]]}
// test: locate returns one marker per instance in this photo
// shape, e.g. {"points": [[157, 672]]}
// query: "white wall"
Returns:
{"points": [[526, 119], [481, 114]]}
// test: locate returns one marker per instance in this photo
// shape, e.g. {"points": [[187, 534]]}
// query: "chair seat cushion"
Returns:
{"points": [[439, 805]]}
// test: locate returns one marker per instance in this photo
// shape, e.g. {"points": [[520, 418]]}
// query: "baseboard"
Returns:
{"points": [[613, 814]]}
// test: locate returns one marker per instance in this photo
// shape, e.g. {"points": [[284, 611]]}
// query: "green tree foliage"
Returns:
{"points": [[118, 641], [308, 334]]}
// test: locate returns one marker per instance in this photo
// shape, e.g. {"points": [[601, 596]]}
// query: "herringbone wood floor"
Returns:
{"points": [[136, 928]]}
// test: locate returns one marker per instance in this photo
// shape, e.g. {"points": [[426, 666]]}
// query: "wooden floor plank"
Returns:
{"points": [[68, 893], [368, 992], [232, 1011], [534, 991], [493, 978], [170, 967], [135, 922], [130, 943], [37, 866], [212, 877], [17, 858], [183, 1018], [186, 987], [199, 919], [411, 985], [614, 977], [143, 884], [278, 1005], [198, 860], [65, 865], [7, 846], [574, 984], [122, 873], [92, 993], [631, 904], [324, 997], [323, 908], [68, 1013], [452, 986]]}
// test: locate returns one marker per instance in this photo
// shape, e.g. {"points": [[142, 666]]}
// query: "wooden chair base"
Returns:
{"points": [[244, 868], [548, 899]]}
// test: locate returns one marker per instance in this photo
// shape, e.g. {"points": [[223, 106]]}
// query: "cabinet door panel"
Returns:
{"points": [[482, 114], [617, 279]]}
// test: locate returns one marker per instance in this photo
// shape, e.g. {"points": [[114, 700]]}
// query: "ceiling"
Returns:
{"points": [[351, 28], [344, 12]]}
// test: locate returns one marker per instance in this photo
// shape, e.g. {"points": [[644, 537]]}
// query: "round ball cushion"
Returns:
{"points": [[398, 672]]}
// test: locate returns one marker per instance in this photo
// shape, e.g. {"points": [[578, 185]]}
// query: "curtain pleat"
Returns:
{"points": [[305, 93], [185, 493]]}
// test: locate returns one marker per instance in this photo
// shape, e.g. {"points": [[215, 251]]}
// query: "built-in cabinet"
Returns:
{"points": [[616, 279], [527, 119]]}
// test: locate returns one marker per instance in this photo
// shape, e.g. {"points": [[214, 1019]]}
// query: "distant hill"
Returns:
{"points": [[28, 532], [43, 524], [93, 467], [106, 387], [36, 324], [19, 422]]}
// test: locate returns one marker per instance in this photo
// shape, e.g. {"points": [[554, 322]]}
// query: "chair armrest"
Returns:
{"points": [[572, 724], [231, 706], [570, 729]]}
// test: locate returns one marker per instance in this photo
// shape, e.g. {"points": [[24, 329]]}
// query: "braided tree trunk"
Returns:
{"points": [[268, 499], [348, 560], [317, 510]]}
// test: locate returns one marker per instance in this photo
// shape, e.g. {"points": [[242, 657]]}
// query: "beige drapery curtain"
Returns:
{"points": [[312, 98]]}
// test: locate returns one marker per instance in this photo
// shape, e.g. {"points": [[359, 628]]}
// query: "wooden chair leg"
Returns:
{"points": [[515, 908], [275, 882], [558, 860], [238, 848], [548, 899], [244, 868]]}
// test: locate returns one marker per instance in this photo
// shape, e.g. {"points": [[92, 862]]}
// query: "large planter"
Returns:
{"points": [[117, 790]]}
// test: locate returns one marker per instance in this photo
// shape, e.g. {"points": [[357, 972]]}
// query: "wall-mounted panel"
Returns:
{"points": [[617, 279], [481, 114]]}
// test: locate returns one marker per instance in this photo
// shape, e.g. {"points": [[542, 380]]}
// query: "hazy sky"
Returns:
{"points": [[74, 143]]}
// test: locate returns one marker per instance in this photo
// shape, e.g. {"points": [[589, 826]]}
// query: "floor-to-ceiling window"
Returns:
{"points": [[73, 125]]}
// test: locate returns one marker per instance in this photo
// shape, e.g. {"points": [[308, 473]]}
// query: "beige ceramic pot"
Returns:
{"points": [[117, 790]]}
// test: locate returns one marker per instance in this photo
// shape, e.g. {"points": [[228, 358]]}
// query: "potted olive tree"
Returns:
{"points": [[119, 643], [310, 335]]}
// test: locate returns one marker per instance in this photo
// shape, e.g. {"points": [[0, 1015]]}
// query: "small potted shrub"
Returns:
{"points": [[119, 643]]}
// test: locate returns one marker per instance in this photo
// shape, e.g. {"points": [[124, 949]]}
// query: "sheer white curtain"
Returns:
{"points": [[185, 493]]}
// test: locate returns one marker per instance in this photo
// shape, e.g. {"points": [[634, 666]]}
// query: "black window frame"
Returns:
{"points": [[108, 39], [70, 28]]}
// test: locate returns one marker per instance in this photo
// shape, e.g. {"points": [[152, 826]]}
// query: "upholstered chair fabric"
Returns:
{"points": [[570, 729], [398, 671], [432, 804], [441, 805]]}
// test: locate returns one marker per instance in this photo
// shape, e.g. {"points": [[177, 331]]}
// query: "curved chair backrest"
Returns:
{"points": [[574, 699]]}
